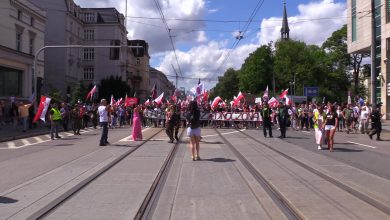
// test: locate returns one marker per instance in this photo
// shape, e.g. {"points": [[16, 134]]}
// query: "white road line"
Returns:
{"points": [[38, 139], [25, 142], [48, 136], [211, 135], [68, 134], [361, 144], [11, 145], [130, 138], [306, 132]]}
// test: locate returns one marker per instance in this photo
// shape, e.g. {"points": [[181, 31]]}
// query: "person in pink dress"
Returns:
{"points": [[137, 129]]}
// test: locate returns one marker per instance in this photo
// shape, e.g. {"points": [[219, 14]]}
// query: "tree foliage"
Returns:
{"points": [[113, 86], [256, 72], [227, 85]]}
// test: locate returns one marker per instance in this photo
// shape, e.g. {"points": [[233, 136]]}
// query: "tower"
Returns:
{"points": [[285, 31]]}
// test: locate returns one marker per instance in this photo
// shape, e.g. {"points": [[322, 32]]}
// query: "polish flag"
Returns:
{"points": [[112, 102], [288, 100], [265, 96], [214, 104], [284, 94], [272, 102], [91, 93], [158, 100], [206, 96], [174, 98], [42, 109], [239, 97], [147, 102], [119, 102]]}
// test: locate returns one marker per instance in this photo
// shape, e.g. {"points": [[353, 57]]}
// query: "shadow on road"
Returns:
{"points": [[6, 200], [219, 160], [341, 149], [212, 142]]}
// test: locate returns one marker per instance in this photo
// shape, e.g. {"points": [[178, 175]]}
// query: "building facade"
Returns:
{"points": [[137, 74], [69, 24], [162, 83], [22, 25], [360, 38]]}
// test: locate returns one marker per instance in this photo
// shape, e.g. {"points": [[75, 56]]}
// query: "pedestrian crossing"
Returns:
{"points": [[31, 141]]}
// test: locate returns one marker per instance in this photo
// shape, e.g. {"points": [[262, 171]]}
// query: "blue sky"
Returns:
{"points": [[202, 46]]}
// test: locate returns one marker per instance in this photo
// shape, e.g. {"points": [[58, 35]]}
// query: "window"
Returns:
{"points": [[11, 82], [138, 61], [31, 45], [32, 21], [18, 41], [19, 14], [89, 53], [71, 26], [89, 34], [353, 20], [89, 17], [89, 73], [114, 52]]}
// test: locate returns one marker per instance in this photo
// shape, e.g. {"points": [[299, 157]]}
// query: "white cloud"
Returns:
{"points": [[314, 23]]}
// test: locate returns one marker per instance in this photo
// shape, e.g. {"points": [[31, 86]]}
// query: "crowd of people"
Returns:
{"points": [[324, 119]]}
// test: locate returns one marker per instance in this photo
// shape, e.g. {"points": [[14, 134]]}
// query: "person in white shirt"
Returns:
{"points": [[103, 119], [364, 120]]}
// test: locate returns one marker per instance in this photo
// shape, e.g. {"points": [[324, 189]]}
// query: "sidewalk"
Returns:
{"points": [[8, 132]]}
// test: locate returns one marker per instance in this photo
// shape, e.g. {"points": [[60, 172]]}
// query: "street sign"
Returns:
{"points": [[311, 91]]}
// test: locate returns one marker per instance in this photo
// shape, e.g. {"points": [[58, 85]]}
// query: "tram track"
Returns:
{"points": [[284, 205], [151, 199], [354, 192], [47, 210]]}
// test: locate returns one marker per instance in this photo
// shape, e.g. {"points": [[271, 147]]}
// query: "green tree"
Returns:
{"points": [[227, 85], [79, 91], [113, 86], [256, 72]]}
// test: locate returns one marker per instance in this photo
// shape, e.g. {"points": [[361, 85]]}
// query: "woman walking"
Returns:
{"points": [[137, 130], [193, 130], [319, 119], [330, 126]]}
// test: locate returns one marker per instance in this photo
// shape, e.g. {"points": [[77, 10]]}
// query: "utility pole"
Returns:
{"points": [[373, 54]]}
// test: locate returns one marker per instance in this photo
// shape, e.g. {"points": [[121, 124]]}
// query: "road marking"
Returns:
{"points": [[130, 138], [68, 134], [306, 132], [232, 132], [361, 144], [38, 139], [11, 145], [25, 141]]}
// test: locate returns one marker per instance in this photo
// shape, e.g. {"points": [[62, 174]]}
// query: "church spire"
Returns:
{"points": [[285, 31]]}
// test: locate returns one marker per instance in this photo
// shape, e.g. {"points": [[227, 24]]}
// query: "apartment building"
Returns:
{"points": [[161, 81], [22, 25], [359, 41], [69, 24], [138, 74]]}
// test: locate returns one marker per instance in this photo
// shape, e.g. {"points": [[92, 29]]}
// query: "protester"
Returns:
{"points": [[319, 119], [282, 119], [193, 130], [376, 124], [65, 115], [103, 119], [137, 128], [23, 114], [77, 119], [55, 121], [330, 126], [266, 116]]}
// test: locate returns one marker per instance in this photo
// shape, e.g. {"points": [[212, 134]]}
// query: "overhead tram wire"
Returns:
{"points": [[169, 33], [237, 41]]}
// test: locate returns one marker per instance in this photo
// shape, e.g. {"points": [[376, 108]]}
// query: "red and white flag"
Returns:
{"points": [[112, 101], [214, 104], [283, 94], [91, 93], [119, 102], [265, 96], [153, 93], [159, 99], [239, 97], [272, 102], [206, 96], [42, 108], [147, 102]]}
